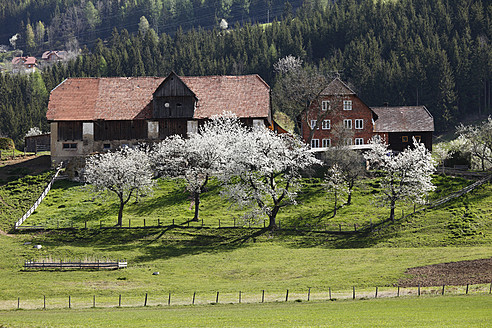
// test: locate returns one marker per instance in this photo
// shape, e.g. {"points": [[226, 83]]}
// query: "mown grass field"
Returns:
{"points": [[456, 311]]}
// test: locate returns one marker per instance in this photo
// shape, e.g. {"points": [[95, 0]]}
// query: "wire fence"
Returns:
{"points": [[261, 296]]}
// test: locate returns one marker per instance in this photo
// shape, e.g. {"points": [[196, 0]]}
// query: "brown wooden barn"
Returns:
{"points": [[90, 115]]}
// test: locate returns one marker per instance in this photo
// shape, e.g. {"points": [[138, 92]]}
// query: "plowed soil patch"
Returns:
{"points": [[453, 273]]}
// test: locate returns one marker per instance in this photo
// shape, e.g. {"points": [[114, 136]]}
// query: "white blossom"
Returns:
{"points": [[126, 172], [263, 171], [478, 141], [406, 175], [336, 185]]}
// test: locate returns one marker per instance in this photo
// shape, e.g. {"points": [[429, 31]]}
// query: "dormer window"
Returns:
{"points": [[347, 105]]}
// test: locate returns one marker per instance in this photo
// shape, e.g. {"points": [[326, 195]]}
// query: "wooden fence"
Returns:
{"points": [[40, 199], [261, 296], [74, 265]]}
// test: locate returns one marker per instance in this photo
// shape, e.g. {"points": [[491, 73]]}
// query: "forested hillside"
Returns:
{"points": [[408, 52]]}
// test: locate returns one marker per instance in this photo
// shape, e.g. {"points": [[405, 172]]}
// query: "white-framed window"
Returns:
{"points": [[347, 105], [325, 125], [359, 124], [347, 141], [359, 141], [314, 143], [325, 143], [347, 124], [325, 105], [313, 124]]}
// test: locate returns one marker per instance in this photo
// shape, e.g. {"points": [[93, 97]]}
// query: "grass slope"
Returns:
{"points": [[462, 311]]}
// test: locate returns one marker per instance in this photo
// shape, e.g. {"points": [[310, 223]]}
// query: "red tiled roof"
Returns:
{"points": [[403, 119], [87, 99], [245, 95], [24, 60]]}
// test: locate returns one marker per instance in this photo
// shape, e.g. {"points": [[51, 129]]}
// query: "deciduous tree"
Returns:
{"points": [[406, 176], [263, 172], [126, 173]]}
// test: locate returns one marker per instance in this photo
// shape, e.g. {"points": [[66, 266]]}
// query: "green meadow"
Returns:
{"points": [[308, 254], [455, 311]]}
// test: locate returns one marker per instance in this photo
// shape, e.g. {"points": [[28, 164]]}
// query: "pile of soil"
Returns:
{"points": [[453, 274]]}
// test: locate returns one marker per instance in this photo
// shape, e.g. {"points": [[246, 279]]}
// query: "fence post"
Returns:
{"points": [[490, 289], [376, 295], [442, 293], [329, 291], [193, 301], [129, 223], [263, 296], [44, 302], [202, 222], [94, 301], [217, 299], [239, 296], [353, 292], [355, 227], [18, 302], [287, 295], [119, 301], [169, 299], [398, 294], [419, 290], [69, 302], [144, 223], [85, 225], [158, 222], [145, 302], [309, 293], [340, 227], [467, 288]]}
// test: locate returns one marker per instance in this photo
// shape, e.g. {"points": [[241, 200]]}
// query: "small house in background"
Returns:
{"points": [[38, 143], [90, 115], [53, 56], [346, 119], [24, 64], [399, 125]]}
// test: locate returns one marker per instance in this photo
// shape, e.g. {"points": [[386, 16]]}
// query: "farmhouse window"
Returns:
{"points": [[325, 125], [347, 141], [325, 143], [315, 143], [69, 146], [359, 124], [69, 131], [404, 139], [347, 105], [347, 124], [313, 124], [359, 141], [418, 138], [325, 105]]}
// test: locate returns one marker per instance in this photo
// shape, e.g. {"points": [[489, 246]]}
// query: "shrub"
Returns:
{"points": [[6, 143]]}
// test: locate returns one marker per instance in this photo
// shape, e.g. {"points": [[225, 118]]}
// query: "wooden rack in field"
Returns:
{"points": [[75, 265]]}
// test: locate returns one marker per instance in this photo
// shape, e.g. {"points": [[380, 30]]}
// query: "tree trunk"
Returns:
{"points": [[120, 214], [349, 197], [335, 207], [392, 211], [272, 224], [197, 205]]}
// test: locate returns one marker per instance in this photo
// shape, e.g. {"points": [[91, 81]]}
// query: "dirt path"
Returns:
{"points": [[453, 274]]}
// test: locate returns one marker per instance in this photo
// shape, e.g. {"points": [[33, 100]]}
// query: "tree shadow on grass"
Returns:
{"points": [[153, 243]]}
